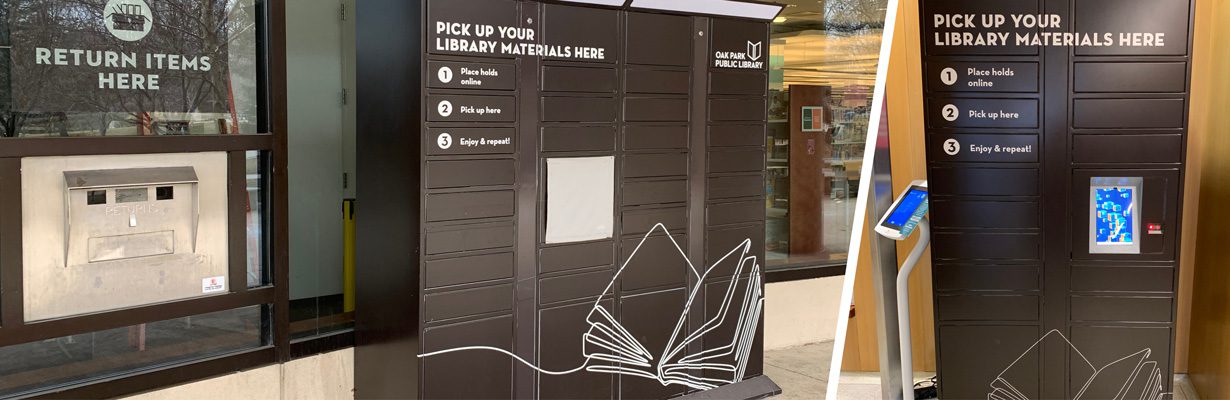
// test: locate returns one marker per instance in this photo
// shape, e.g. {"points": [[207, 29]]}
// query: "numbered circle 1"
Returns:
{"points": [[445, 141], [950, 112], [948, 76], [445, 74], [952, 147], [445, 108]]}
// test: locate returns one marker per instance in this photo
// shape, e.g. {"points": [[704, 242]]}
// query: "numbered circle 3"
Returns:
{"points": [[950, 112], [444, 141], [952, 147], [445, 108], [445, 74]]}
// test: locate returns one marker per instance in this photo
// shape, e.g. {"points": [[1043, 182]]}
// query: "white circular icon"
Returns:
{"points": [[950, 112], [952, 147], [445, 108], [444, 141], [948, 76], [128, 20], [445, 74]]}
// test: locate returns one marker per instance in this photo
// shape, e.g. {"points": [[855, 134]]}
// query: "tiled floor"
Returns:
{"points": [[801, 371], [866, 386], [1183, 389]]}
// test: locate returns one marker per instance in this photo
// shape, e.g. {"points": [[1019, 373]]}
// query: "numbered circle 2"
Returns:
{"points": [[444, 141], [950, 112], [952, 147], [445, 74], [948, 76], [445, 108]]}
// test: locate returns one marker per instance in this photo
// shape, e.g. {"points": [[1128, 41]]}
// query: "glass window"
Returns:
{"points": [[117, 68], [256, 218], [131, 195], [822, 73], [321, 172], [41, 365], [165, 192]]}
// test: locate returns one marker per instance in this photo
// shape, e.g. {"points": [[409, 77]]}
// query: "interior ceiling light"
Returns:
{"points": [[779, 20], [732, 8]]}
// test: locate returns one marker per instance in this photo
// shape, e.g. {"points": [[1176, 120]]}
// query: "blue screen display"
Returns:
{"points": [[906, 208], [1114, 207]]}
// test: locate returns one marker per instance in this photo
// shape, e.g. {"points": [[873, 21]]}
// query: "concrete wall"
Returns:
{"points": [[801, 312], [327, 376]]}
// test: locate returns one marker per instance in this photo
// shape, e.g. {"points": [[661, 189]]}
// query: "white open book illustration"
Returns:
{"points": [[1132, 377], [609, 347]]}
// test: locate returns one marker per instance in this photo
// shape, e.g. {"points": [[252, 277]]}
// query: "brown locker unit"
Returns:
{"points": [[499, 283], [1056, 180]]}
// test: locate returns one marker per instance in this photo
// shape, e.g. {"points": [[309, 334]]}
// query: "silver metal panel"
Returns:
{"points": [[884, 272], [119, 247], [111, 232], [128, 177]]}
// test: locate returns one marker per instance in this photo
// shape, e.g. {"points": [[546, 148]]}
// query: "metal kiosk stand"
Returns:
{"points": [[907, 213]]}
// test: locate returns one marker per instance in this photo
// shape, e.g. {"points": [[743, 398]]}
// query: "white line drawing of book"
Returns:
{"points": [[1132, 377], [608, 342]]}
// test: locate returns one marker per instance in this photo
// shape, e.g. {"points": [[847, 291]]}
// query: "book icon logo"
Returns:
{"points": [[128, 20], [755, 50]]}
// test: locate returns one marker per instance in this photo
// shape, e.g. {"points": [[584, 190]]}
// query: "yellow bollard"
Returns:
{"points": [[348, 238]]}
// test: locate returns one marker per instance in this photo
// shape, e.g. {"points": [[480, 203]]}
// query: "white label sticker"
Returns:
{"points": [[213, 285]]}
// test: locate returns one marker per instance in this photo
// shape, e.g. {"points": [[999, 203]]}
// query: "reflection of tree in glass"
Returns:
{"points": [[854, 15], [43, 100]]}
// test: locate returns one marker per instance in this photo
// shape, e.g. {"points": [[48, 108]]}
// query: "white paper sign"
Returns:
{"points": [[580, 199]]}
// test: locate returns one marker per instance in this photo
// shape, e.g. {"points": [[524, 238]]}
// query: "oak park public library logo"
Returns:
{"points": [[128, 20], [750, 58]]}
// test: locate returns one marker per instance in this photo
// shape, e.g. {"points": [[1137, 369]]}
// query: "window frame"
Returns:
{"points": [[271, 141]]}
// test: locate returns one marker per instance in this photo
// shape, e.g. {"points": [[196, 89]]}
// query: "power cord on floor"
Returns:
{"points": [[928, 389]]}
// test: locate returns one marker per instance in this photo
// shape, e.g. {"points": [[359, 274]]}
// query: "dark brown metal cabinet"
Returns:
{"points": [[1026, 306], [475, 301]]}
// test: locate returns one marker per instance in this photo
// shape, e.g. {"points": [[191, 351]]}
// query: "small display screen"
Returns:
{"points": [[906, 208], [1115, 211]]}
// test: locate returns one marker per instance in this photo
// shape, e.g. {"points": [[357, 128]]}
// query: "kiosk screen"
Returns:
{"points": [[905, 210], [905, 213], [1114, 215]]}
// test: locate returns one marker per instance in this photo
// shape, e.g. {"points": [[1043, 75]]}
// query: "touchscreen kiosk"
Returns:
{"points": [[1114, 217], [905, 213]]}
